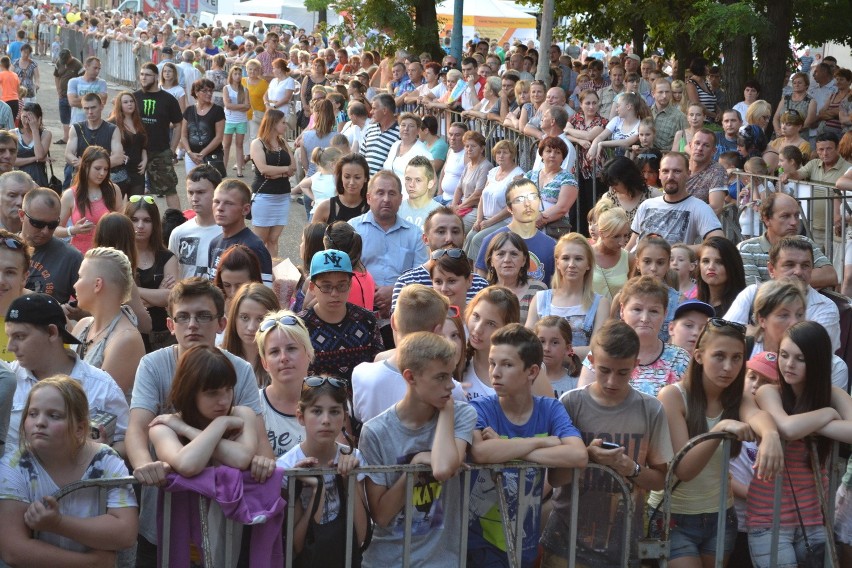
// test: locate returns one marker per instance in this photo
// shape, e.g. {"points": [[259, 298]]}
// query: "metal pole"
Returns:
{"points": [[722, 515], [457, 44]]}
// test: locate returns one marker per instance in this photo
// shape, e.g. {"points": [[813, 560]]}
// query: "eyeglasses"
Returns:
{"points": [[524, 198], [315, 382], [183, 318], [137, 198], [268, 324], [41, 224], [340, 288], [720, 323], [450, 252], [453, 312]]}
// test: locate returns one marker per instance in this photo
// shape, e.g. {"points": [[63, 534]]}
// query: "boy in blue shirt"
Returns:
{"points": [[515, 425]]}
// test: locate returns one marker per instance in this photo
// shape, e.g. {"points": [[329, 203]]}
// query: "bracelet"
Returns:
{"points": [[71, 230]]}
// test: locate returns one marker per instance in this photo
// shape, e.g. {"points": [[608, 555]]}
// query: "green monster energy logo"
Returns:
{"points": [[149, 106]]}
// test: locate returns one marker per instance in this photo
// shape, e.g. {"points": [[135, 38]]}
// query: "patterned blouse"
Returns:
{"points": [[550, 192], [578, 122], [611, 194]]}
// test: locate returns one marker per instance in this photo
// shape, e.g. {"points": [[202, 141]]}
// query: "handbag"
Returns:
{"points": [[217, 161], [814, 553], [302, 119], [119, 175], [54, 183]]}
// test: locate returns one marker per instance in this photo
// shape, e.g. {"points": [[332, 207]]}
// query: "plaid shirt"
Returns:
{"points": [[667, 122]]}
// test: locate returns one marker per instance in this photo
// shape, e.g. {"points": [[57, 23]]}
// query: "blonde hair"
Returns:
{"points": [[756, 165], [325, 157], [420, 348], [115, 266], [419, 308], [582, 242], [611, 218], [757, 108], [298, 333], [253, 63], [508, 146], [772, 295]]}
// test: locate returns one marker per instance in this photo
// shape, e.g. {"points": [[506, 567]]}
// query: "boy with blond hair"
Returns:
{"points": [[426, 427]]}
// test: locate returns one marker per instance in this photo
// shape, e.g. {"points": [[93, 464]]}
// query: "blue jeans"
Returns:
{"points": [[791, 545], [693, 536], [69, 176]]}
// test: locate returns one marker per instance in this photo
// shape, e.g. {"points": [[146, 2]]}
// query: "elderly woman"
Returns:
{"points": [[799, 100], [759, 114], [472, 182], [490, 97], [451, 99], [492, 212], [408, 146], [557, 187], [829, 114], [507, 261]]}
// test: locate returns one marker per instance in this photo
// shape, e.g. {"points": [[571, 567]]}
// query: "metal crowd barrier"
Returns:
{"points": [[813, 197]]}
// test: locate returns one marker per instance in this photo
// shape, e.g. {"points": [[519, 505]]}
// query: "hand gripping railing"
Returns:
{"points": [[659, 549]]}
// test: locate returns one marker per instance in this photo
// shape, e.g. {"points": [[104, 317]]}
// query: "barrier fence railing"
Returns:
{"points": [[513, 524]]}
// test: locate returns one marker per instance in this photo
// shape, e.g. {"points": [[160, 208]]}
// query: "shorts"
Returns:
{"points": [[64, 111], [161, 173], [693, 536], [791, 545], [236, 127]]}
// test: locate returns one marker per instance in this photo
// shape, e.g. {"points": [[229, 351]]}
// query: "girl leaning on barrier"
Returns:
{"points": [[803, 404], [56, 450], [710, 398]]}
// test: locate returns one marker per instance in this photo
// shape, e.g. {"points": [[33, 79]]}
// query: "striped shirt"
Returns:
{"points": [[755, 254], [419, 275], [377, 144], [760, 500]]}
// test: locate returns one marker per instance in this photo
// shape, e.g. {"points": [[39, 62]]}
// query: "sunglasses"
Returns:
{"points": [[315, 382], [452, 253], [266, 325], [41, 224], [137, 198], [453, 312], [720, 323], [13, 244]]}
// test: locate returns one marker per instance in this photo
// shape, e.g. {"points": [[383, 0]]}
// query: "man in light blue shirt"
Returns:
{"points": [[391, 245]]}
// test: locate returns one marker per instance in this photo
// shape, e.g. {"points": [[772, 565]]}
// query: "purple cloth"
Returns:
{"points": [[241, 498]]}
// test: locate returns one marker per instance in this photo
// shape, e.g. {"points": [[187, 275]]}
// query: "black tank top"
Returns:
{"points": [[101, 136], [339, 212]]}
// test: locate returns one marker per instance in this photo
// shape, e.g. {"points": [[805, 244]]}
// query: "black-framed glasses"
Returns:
{"points": [[38, 224], [341, 288], [146, 198], [450, 252], [720, 322], [184, 318], [315, 382], [268, 324]]}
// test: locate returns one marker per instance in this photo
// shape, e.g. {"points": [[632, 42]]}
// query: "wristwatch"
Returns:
{"points": [[636, 471]]}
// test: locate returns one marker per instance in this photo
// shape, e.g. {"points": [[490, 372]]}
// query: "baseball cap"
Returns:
{"points": [[634, 57], [40, 309], [330, 260], [766, 364], [168, 51], [694, 306]]}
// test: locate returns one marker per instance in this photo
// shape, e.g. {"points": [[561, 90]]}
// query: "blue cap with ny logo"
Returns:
{"points": [[330, 260]]}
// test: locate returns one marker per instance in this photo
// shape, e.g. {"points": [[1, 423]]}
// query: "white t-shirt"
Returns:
{"points": [[277, 89], [235, 116], [323, 186], [190, 243], [283, 430], [416, 216], [80, 87], [475, 386], [493, 198], [398, 163], [686, 221], [616, 126], [453, 170], [355, 135]]}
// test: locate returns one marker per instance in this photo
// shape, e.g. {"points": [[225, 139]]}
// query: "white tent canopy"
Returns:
{"points": [[293, 10], [493, 19]]}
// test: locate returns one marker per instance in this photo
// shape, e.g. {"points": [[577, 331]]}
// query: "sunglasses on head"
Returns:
{"points": [[451, 252], [137, 198], [453, 312], [719, 323], [266, 325], [41, 224], [314, 382]]}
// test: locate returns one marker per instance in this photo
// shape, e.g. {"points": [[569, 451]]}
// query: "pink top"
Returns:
{"points": [[97, 209], [362, 291]]}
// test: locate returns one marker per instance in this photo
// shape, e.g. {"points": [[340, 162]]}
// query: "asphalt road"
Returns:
{"points": [[288, 244]]}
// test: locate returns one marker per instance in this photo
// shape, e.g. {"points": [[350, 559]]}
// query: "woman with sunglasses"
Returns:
{"points": [[322, 411], [451, 275], [203, 129], [15, 257], [711, 398], [804, 404], [157, 268], [286, 352]]}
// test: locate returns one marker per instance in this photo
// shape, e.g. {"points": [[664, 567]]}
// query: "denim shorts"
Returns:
{"points": [[693, 536], [64, 110], [791, 545]]}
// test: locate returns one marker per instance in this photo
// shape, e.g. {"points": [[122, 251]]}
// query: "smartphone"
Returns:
{"points": [[610, 446]]}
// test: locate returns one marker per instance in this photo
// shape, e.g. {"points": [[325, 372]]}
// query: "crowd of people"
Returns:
{"points": [[455, 302]]}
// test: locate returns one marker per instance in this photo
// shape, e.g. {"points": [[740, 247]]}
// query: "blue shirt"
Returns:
{"points": [[548, 418], [388, 253]]}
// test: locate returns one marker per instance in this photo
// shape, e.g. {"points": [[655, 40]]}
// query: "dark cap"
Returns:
{"points": [[40, 309], [694, 306], [167, 51]]}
